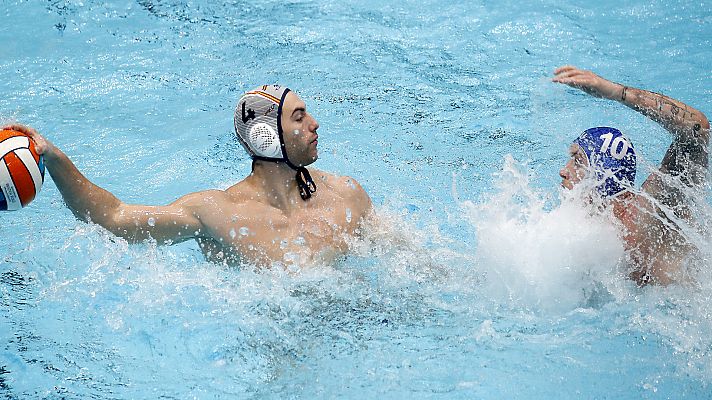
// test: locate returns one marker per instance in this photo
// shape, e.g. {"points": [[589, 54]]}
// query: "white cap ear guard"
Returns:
{"points": [[257, 122], [264, 141]]}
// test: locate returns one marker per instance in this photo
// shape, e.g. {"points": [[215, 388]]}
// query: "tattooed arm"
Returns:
{"points": [[687, 157]]}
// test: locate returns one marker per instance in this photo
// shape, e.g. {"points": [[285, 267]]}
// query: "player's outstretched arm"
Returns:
{"points": [[687, 156], [88, 202]]}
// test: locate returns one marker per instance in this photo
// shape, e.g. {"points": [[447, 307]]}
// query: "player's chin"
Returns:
{"points": [[308, 161]]}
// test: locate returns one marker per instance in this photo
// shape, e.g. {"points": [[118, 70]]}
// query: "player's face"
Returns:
{"points": [[299, 131], [575, 169]]}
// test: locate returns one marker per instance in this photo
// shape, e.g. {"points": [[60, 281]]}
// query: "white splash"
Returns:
{"points": [[538, 258]]}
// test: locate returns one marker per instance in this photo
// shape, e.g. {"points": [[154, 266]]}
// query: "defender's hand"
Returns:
{"points": [[588, 82]]}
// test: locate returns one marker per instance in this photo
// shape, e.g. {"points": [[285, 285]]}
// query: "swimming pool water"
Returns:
{"points": [[478, 282]]}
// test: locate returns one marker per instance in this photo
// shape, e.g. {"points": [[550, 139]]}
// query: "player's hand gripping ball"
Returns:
{"points": [[21, 170]]}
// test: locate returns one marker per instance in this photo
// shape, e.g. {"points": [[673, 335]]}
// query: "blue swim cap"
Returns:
{"points": [[612, 157]]}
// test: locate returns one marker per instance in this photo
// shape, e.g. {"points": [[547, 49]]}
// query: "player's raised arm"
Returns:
{"points": [[687, 156], [172, 223]]}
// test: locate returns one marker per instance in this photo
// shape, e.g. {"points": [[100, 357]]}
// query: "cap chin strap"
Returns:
{"points": [[305, 183]]}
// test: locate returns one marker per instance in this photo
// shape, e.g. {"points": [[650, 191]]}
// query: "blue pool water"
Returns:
{"points": [[478, 282]]}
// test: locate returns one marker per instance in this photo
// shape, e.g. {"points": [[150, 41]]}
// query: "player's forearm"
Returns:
{"points": [[86, 200], [675, 116]]}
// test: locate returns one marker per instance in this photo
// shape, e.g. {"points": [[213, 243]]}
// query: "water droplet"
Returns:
{"points": [[412, 208], [151, 221], [297, 132], [232, 234], [283, 244], [291, 257], [348, 215], [244, 231], [299, 241]]}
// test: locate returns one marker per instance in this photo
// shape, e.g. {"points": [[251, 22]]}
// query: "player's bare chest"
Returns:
{"points": [[296, 238]]}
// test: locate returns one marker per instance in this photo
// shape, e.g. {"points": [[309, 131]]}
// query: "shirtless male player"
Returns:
{"points": [[276, 214], [652, 217]]}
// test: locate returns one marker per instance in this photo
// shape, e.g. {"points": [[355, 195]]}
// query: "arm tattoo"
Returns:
{"points": [[662, 104], [687, 156]]}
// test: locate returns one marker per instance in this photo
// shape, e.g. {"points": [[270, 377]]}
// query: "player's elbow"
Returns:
{"points": [[704, 123], [702, 131], [98, 214], [119, 221]]}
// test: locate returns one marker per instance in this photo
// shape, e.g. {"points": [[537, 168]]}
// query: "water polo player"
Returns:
{"points": [[278, 214], [651, 218]]}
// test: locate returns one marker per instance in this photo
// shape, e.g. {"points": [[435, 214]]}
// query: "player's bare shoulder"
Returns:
{"points": [[345, 187], [214, 205], [197, 200]]}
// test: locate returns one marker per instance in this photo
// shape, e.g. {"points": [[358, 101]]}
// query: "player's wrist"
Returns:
{"points": [[51, 153], [616, 91], [623, 90]]}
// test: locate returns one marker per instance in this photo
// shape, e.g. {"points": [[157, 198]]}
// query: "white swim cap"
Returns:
{"points": [[258, 125]]}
